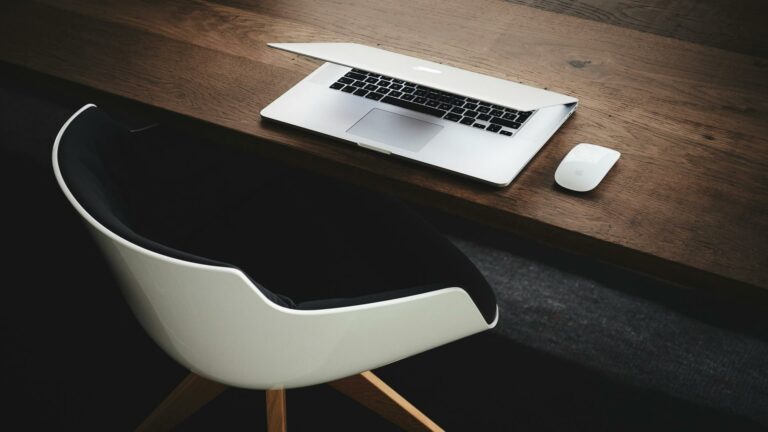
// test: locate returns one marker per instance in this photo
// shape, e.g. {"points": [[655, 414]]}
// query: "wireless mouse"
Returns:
{"points": [[584, 167]]}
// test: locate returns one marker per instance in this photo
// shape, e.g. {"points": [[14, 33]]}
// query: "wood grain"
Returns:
{"points": [[373, 393], [189, 396], [687, 202], [276, 411], [737, 26]]}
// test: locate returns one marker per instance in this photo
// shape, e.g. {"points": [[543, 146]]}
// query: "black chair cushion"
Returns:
{"points": [[306, 241]]}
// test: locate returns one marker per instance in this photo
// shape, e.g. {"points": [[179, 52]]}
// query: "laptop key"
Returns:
{"points": [[375, 75], [374, 96], [371, 87], [505, 123], [371, 80], [337, 85], [470, 100], [470, 106], [407, 97], [510, 110], [471, 114], [382, 90], [467, 120], [349, 89], [493, 128], [395, 86], [395, 93], [356, 76], [384, 83], [361, 92], [497, 113], [433, 103], [358, 84], [479, 125], [452, 117], [346, 80], [457, 110], [498, 107], [420, 100], [484, 117], [509, 116], [359, 71], [412, 106], [483, 109], [445, 106], [457, 102], [397, 81], [408, 89], [505, 132]]}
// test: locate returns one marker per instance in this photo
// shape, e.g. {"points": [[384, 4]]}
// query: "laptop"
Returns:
{"points": [[464, 122]]}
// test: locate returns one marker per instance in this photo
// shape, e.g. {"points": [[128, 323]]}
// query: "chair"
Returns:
{"points": [[231, 328]]}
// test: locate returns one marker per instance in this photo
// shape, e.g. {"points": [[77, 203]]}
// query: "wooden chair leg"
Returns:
{"points": [[370, 391], [189, 396], [276, 414]]}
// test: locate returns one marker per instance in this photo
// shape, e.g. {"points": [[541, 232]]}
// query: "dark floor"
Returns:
{"points": [[579, 345]]}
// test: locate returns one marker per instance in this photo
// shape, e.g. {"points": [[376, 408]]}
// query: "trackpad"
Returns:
{"points": [[396, 130]]}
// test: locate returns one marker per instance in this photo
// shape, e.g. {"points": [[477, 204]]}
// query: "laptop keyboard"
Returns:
{"points": [[448, 106]]}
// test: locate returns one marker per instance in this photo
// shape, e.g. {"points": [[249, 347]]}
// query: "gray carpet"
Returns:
{"points": [[599, 325]]}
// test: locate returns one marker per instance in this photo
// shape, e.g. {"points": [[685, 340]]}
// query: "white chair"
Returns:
{"points": [[212, 317]]}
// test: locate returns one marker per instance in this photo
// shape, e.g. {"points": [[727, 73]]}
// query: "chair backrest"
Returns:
{"points": [[212, 318]]}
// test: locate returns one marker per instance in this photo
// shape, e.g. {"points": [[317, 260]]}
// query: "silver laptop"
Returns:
{"points": [[464, 122]]}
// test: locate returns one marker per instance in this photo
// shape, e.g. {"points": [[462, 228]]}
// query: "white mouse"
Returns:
{"points": [[584, 167]]}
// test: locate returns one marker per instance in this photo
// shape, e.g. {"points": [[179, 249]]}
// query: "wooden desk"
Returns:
{"points": [[687, 202]]}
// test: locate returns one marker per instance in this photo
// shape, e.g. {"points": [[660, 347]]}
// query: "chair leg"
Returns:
{"points": [[189, 396], [370, 391], [276, 414]]}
